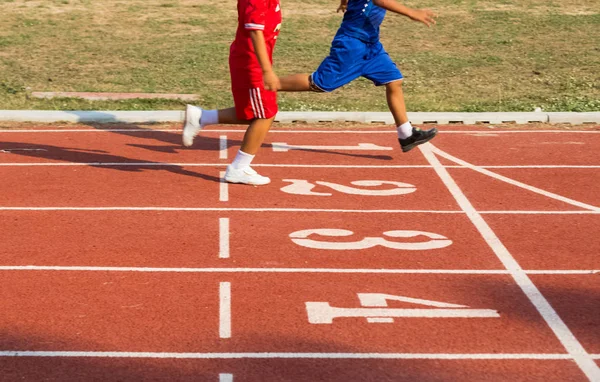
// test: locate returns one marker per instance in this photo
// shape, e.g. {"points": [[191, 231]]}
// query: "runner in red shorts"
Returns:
{"points": [[253, 84]]}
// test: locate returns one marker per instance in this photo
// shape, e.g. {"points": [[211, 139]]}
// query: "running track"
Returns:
{"points": [[124, 257]]}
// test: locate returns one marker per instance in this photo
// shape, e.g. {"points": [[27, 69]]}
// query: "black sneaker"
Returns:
{"points": [[418, 137]]}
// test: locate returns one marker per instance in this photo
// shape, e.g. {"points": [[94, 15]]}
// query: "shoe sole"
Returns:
{"points": [[417, 143], [250, 184]]}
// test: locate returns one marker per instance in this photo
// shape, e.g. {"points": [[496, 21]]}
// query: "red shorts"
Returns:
{"points": [[249, 95], [254, 102]]}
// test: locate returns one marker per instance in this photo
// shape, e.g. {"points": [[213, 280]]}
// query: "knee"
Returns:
{"points": [[313, 87], [394, 86]]}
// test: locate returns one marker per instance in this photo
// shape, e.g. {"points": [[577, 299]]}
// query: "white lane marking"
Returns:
{"points": [[305, 187], [66, 268], [556, 324], [241, 209], [290, 131], [284, 147], [302, 238], [225, 310], [223, 188], [375, 306], [225, 377], [198, 209], [512, 181], [159, 164], [578, 212], [223, 238], [223, 147], [267, 355]]}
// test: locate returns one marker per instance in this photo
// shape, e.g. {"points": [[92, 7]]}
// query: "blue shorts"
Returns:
{"points": [[350, 58]]}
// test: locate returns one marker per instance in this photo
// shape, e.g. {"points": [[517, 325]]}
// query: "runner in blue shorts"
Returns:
{"points": [[357, 52]]}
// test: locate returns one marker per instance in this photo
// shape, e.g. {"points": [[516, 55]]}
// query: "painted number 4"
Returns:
{"points": [[375, 309]]}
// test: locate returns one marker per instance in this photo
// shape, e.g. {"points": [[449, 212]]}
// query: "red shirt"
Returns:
{"points": [[264, 15]]}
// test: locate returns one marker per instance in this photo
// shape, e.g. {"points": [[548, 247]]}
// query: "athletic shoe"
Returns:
{"points": [[246, 176], [418, 137], [192, 124]]}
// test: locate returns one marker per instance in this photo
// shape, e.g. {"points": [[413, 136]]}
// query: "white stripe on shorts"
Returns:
{"points": [[260, 102], [256, 103], [252, 103]]}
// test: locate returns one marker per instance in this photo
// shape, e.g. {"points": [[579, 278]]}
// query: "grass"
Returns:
{"points": [[509, 55]]}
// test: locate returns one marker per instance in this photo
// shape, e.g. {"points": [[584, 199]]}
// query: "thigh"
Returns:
{"points": [[342, 66], [381, 69]]}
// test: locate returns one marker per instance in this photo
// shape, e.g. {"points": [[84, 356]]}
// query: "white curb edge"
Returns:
{"points": [[441, 118]]}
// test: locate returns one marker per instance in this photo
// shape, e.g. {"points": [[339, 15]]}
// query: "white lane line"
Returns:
{"points": [[512, 181], [223, 188], [66, 268], [225, 310], [578, 212], [159, 164], [290, 131], [540, 166], [225, 377], [223, 147], [284, 147], [267, 355], [223, 238], [224, 209], [319, 210], [556, 324]]}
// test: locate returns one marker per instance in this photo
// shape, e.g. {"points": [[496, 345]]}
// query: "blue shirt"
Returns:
{"points": [[362, 20]]}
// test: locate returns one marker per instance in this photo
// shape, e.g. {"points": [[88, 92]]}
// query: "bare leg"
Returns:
{"points": [[239, 171], [229, 117], [395, 100], [408, 136], [295, 83], [255, 135]]}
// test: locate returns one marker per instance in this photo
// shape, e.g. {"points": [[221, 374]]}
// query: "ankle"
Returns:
{"points": [[209, 117], [404, 130]]}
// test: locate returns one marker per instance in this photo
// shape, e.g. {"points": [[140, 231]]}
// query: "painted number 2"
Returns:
{"points": [[304, 187], [432, 240]]}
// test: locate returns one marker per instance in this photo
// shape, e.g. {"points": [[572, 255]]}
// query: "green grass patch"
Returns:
{"points": [[509, 55]]}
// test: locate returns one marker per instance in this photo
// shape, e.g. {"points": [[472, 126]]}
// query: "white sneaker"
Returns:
{"points": [[192, 124], [246, 176]]}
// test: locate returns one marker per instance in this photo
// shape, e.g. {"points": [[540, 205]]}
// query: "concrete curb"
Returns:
{"points": [[309, 117]]}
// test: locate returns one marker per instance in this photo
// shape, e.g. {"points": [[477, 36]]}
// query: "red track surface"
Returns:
{"points": [[124, 257]]}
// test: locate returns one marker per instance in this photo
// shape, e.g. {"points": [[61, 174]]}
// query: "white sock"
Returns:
{"points": [[209, 117], [242, 160], [404, 130]]}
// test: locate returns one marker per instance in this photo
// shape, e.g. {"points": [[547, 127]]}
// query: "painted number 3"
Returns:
{"points": [[304, 187], [433, 240]]}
